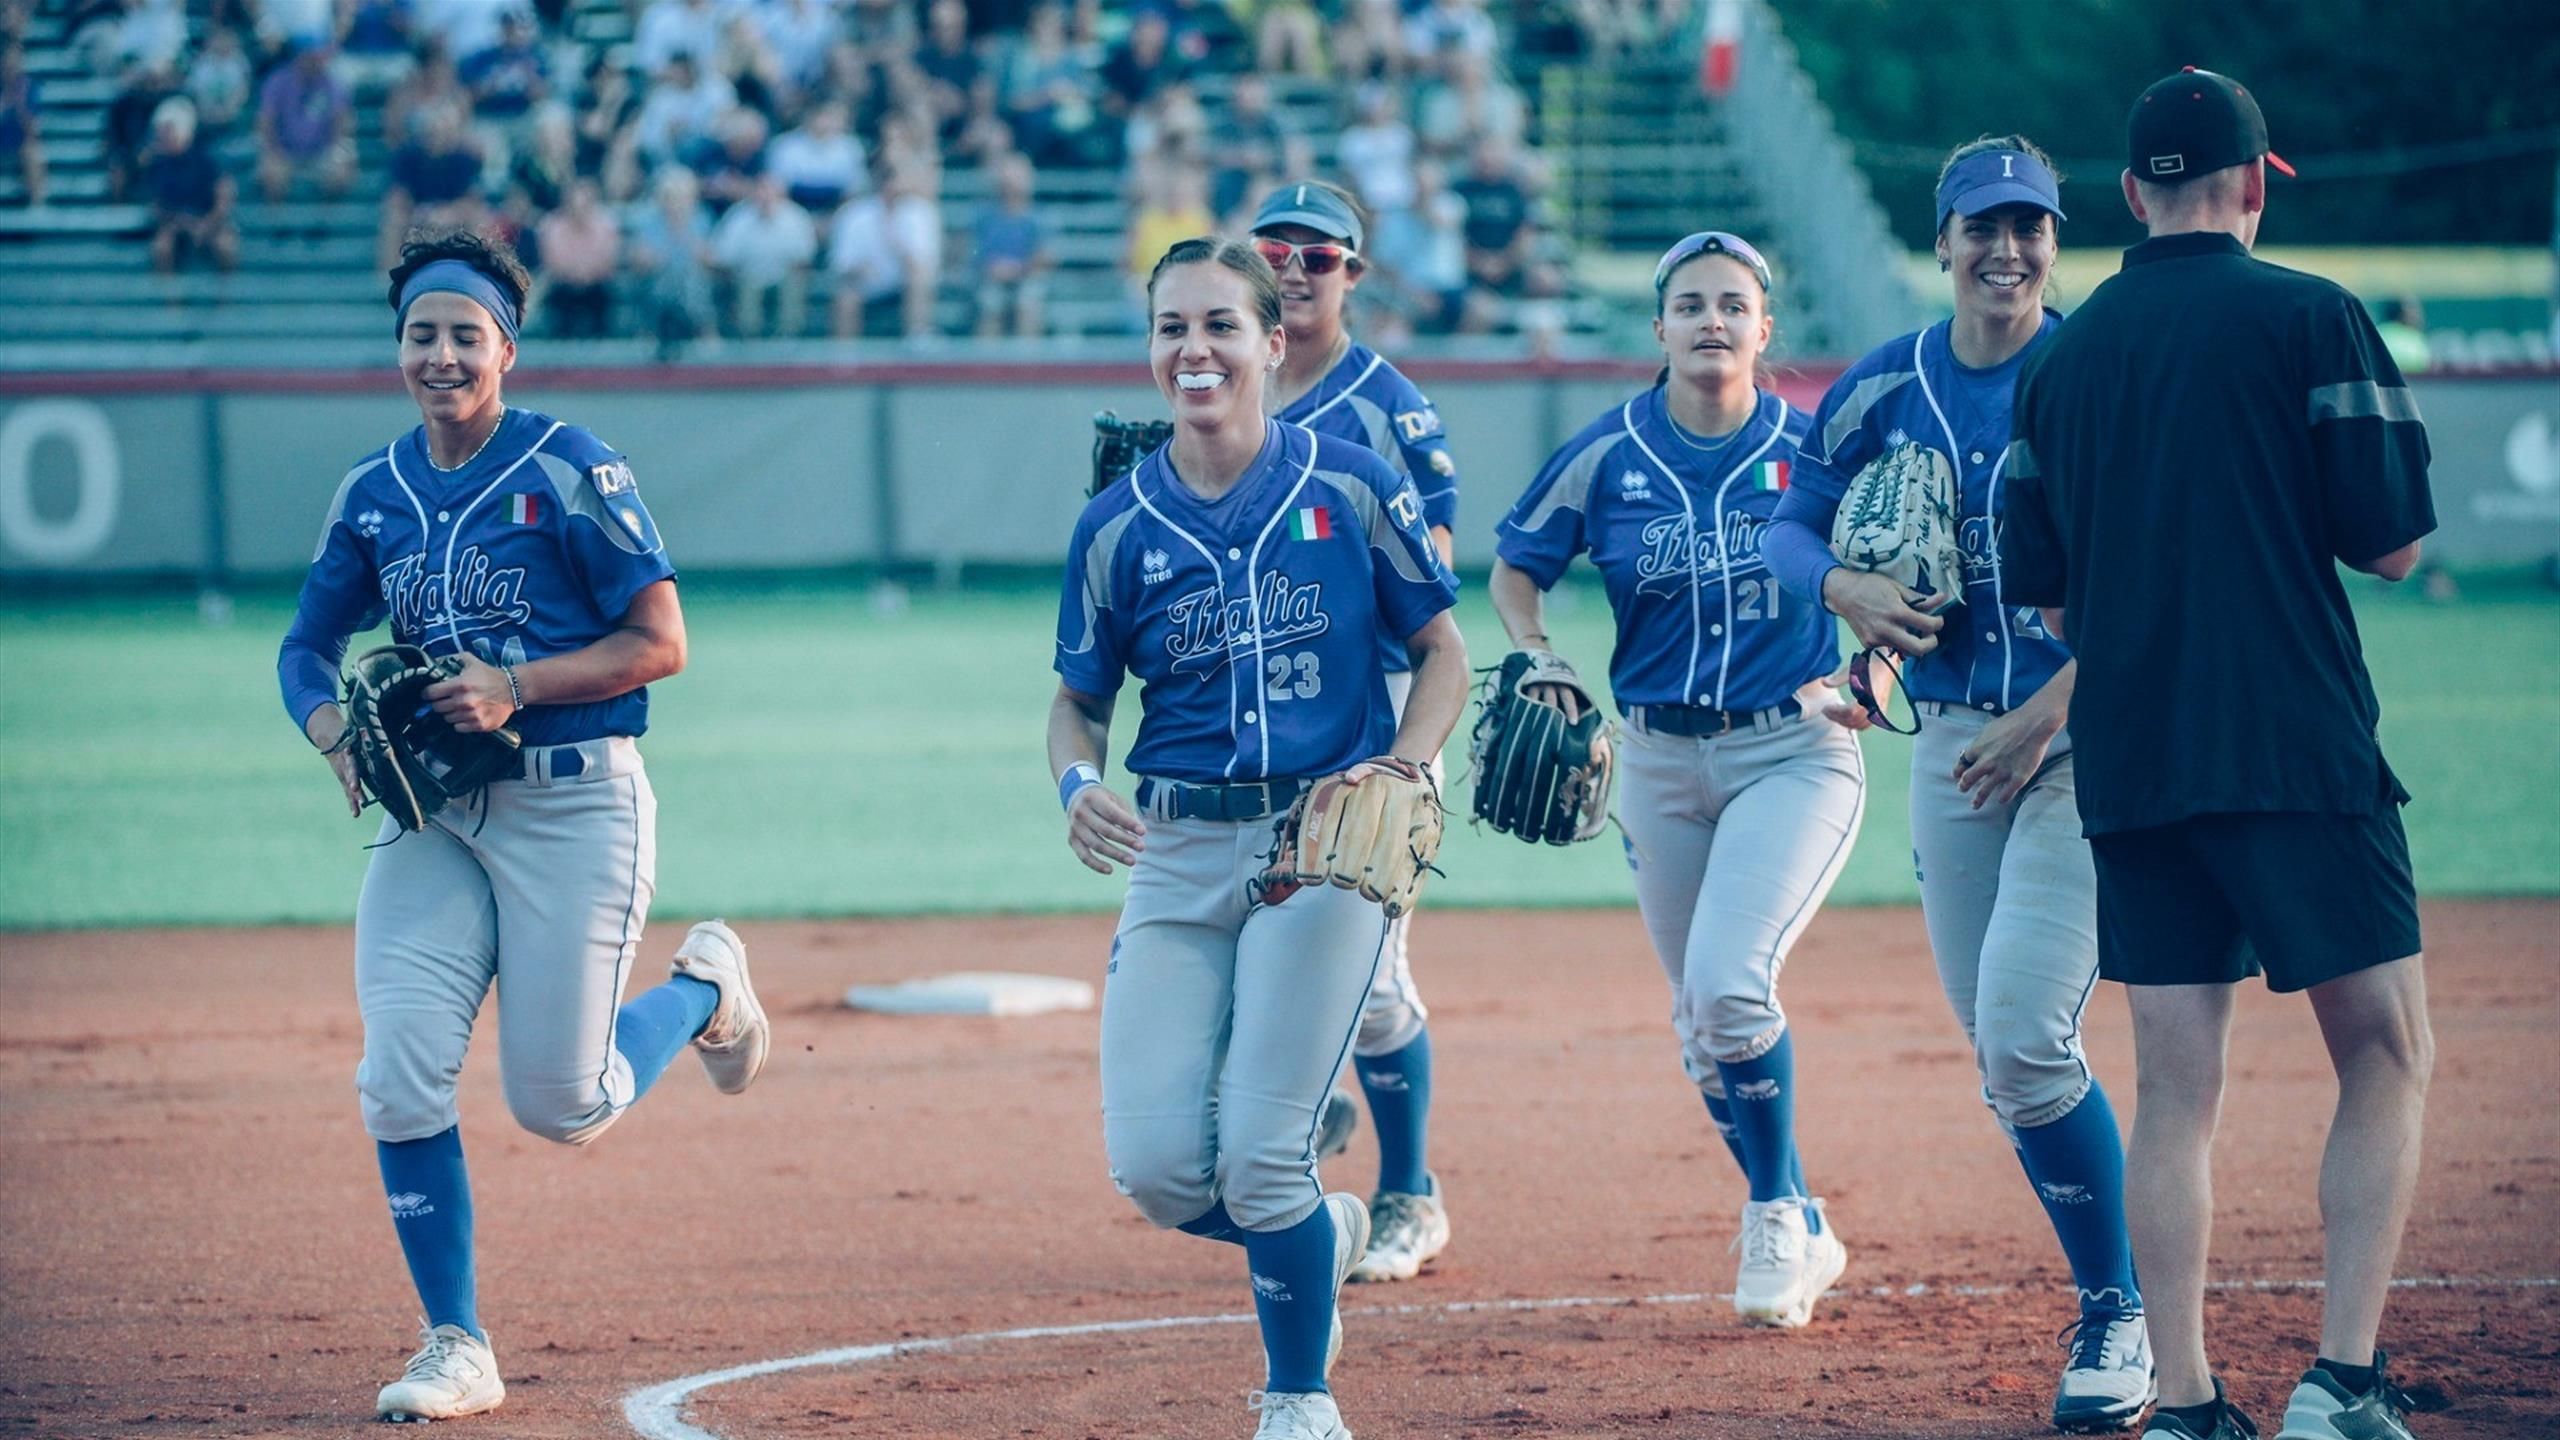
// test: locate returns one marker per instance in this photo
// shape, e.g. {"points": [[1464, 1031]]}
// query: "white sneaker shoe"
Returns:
{"points": [[2108, 1382], [737, 1039], [1405, 1233], [2322, 1408], [1350, 1243], [452, 1375], [1291, 1416], [1786, 1266]]}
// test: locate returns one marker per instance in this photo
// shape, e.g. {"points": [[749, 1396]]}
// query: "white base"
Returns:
{"points": [[973, 992]]}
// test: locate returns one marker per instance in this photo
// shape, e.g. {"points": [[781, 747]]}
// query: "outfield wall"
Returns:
{"points": [[225, 475]]}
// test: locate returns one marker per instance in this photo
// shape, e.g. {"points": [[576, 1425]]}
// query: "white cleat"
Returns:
{"points": [[735, 1041], [1786, 1266], [454, 1374], [1350, 1242], [2108, 1381], [1406, 1232], [1292, 1416]]}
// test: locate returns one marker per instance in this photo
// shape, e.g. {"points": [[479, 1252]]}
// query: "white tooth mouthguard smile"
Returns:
{"points": [[1195, 381]]}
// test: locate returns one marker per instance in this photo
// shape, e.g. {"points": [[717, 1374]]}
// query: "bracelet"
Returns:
{"points": [[1073, 783], [515, 691]]}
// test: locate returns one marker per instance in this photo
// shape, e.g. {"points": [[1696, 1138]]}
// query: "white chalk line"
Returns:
{"points": [[653, 1411]]}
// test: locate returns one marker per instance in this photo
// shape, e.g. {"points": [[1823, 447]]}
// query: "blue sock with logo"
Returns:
{"points": [[1398, 1085], [653, 1027], [1293, 1293], [430, 1193], [1720, 1110], [1214, 1223], [2077, 1166], [1761, 1095]]}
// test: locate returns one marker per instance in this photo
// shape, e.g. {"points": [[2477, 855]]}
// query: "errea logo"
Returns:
{"points": [[1153, 566], [1634, 485], [369, 524], [1267, 1288], [2061, 1194], [409, 1205]]}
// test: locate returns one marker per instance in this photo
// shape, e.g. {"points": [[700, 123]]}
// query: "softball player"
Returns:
{"points": [[1740, 801], [1312, 235], [1243, 575], [2006, 883], [519, 542]]}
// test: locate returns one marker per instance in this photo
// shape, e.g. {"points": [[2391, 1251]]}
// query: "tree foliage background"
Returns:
{"points": [[2362, 82]]}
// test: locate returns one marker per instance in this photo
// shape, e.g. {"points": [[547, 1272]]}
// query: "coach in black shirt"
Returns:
{"points": [[2195, 450]]}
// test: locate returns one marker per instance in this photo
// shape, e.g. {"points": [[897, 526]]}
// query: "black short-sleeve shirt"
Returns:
{"points": [[2192, 454]]}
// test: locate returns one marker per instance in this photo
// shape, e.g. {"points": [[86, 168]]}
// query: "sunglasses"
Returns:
{"points": [[1862, 688], [1712, 242], [1321, 258]]}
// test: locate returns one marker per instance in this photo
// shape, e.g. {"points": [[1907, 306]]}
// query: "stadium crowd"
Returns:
{"points": [[704, 173]]}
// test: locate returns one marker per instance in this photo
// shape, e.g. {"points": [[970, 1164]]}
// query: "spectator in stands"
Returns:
{"points": [[1422, 249], [799, 33], [1468, 103], [607, 138], [435, 180], [464, 27], [669, 28], [20, 132], [731, 167], [284, 25], [138, 32], [1046, 93], [952, 70], [1368, 42], [1173, 207], [1443, 30], [506, 81], [1376, 151], [671, 251], [886, 252], [306, 126], [1139, 66], [434, 80], [581, 249], [190, 198], [1254, 147], [1288, 38], [763, 247], [220, 83], [882, 28], [754, 74], [540, 172], [375, 44], [1503, 264], [906, 143], [1012, 256], [683, 106], [820, 164], [2404, 333], [1197, 30], [1172, 122], [127, 129]]}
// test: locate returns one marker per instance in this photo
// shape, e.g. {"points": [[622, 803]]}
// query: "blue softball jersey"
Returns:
{"points": [[1673, 523], [535, 547], [1369, 402], [1251, 620], [1992, 654]]}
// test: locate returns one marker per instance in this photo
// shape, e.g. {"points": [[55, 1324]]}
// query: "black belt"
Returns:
{"points": [[1175, 800], [1697, 722]]}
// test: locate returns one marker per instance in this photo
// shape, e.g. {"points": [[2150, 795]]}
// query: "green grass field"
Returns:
{"points": [[826, 755]]}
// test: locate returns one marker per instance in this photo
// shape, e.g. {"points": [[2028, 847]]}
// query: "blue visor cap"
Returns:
{"points": [[1994, 178], [1313, 206]]}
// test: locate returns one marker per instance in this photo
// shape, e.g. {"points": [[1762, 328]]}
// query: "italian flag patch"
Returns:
{"points": [[524, 509], [1312, 523], [1769, 475]]}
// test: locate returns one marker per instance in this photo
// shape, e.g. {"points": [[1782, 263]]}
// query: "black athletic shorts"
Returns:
{"points": [[2212, 900]]}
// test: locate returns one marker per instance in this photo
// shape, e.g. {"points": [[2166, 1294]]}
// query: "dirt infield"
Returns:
{"points": [[192, 1238]]}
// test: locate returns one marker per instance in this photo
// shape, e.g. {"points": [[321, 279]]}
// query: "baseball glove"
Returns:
{"points": [[1538, 775], [1373, 828], [1898, 519], [412, 762], [1118, 446]]}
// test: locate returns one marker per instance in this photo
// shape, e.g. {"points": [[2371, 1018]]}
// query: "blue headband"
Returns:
{"points": [[454, 277], [1997, 177]]}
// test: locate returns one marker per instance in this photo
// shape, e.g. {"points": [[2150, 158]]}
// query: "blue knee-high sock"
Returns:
{"points": [[1293, 1293], [1761, 1095], [1398, 1085], [1214, 1223], [430, 1193], [654, 1026], [2077, 1165], [1720, 1110]]}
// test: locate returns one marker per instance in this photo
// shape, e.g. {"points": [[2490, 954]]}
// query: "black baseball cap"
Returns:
{"points": [[2193, 123]]}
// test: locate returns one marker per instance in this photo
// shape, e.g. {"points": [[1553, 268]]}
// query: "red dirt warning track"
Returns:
{"points": [[192, 1238]]}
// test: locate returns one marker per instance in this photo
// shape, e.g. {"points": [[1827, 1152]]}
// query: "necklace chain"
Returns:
{"points": [[466, 460]]}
